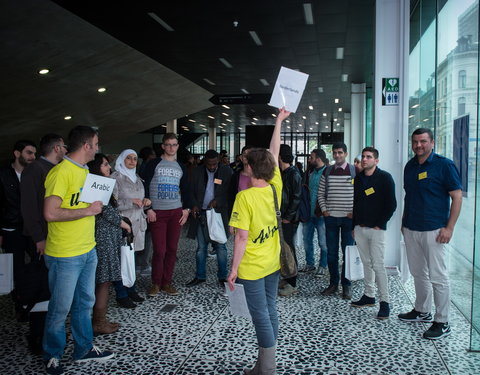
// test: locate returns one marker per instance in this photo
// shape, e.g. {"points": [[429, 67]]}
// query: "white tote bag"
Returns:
{"points": [[6, 273], [353, 264], [216, 230], [127, 265]]}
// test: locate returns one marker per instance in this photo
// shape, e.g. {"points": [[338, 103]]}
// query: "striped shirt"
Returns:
{"points": [[337, 197]]}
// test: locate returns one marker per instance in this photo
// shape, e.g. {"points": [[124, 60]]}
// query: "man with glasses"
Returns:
{"points": [[32, 191], [166, 186]]}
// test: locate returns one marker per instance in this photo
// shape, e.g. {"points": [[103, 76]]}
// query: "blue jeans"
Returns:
{"points": [[202, 254], [318, 224], [261, 298], [121, 290], [333, 226], [72, 286]]}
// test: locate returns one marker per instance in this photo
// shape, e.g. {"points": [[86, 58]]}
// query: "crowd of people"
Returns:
{"points": [[44, 220]]}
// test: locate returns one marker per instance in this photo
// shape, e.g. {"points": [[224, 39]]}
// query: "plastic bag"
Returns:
{"points": [[216, 230], [127, 265], [353, 264]]}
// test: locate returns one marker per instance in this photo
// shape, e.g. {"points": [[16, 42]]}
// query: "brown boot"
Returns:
{"points": [[100, 324]]}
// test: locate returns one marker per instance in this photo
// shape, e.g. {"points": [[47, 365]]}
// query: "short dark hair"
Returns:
{"points": [[168, 136], [319, 153], [246, 147], [145, 152], [94, 165], [80, 135], [211, 154], [374, 151], [262, 163], [48, 143], [423, 131], [22, 143], [338, 145]]}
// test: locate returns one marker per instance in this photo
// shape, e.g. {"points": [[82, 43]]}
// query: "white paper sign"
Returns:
{"points": [[288, 89], [238, 301], [97, 188]]}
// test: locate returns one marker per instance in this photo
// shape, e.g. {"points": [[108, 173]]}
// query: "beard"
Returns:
{"points": [[23, 162]]}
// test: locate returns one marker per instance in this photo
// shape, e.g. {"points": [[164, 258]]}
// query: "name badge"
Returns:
{"points": [[353, 181], [217, 181], [422, 175], [369, 191]]}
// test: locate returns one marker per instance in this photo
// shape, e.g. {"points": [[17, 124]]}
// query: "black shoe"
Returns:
{"points": [[346, 292], [194, 282], [53, 366], [437, 331], [364, 301], [126, 303], [384, 311], [330, 290], [135, 297], [416, 316]]}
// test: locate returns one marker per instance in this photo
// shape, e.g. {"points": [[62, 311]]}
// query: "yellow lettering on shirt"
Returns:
{"points": [[422, 175], [369, 191]]}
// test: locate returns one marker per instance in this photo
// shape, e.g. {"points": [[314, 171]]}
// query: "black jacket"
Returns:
{"points": [[221, 194], [291, 193], [374, 203], [10, 214]]}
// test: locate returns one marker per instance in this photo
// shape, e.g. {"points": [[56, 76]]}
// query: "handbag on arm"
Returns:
{"points": [[288, 266]]}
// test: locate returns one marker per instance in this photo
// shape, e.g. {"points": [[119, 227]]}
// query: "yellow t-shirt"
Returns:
{"points": [[69, 238], [254, 210]]}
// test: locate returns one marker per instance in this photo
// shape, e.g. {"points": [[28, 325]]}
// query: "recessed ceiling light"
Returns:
{"points": [[225, 62], [209, 82], [67, 118], [300, 125], [274, 115], [244, 91], [316, 122], [324, 114], [337, 100], [225, 106], [255, 119], [253, 123], [223, 130], [411, 116], [164, 126], [43, 71], [213, 118], [340, 109], [298, 130], [239, 128], [225, 114], [288, 127], [426, 119], [311, 128], [326, 126], [320, 89], [304, 117], [307, 11], [191, 120], [344, 77], [338, 124], [102, 89], [264, 82], [334, 119], [415, 105], [165, 25], [224, 124], [255, 38], [229, 120], [310, 107], [339, 53], [287, 121]]}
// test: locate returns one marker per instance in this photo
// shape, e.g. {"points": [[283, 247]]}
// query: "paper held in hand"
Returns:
{"points": [[238, 302], [97, 188], [288, 89]]}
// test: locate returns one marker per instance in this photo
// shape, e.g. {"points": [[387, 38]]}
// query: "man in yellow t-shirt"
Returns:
{"points": [[70, 254]]}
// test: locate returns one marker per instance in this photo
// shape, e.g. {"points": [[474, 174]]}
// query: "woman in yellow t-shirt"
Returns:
{"points": [[256, 251]]}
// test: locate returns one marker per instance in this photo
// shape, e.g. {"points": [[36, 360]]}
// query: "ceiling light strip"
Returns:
{"points": [[255, 38], [165, 25]]}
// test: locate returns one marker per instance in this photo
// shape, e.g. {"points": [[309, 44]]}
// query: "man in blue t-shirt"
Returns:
{"points": [[429, 218]]}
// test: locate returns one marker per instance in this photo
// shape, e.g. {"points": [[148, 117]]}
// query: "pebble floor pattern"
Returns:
{"points": [[318, 335]]}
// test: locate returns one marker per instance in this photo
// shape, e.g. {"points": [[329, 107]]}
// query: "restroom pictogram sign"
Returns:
{"points": [[390, 91]]}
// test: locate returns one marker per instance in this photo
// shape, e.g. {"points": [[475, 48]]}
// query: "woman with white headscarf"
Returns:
{"points": [[130, 195]]}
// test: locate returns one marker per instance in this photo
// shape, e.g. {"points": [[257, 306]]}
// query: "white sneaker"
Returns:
{"points": [[322, 271]]}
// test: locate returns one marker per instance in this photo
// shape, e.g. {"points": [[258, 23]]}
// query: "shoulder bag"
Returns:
{"points": [[288, 266]]}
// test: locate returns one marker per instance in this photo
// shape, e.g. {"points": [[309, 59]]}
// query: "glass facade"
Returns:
{"points": [[443, 96]]}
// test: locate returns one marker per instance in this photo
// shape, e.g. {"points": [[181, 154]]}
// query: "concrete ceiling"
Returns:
{"points": [[153, 75]]}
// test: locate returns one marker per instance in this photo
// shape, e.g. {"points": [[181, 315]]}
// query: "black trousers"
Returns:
{"points": [[16, 243]]}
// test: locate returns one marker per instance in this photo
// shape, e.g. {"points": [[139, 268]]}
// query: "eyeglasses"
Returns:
{"points": [[170, 144]]}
